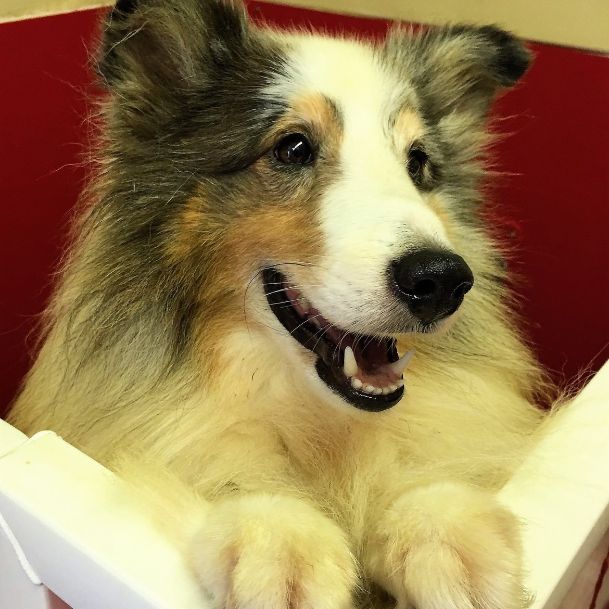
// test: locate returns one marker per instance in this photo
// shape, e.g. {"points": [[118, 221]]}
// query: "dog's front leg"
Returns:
{"points": [[264, 551], [447, 546]]}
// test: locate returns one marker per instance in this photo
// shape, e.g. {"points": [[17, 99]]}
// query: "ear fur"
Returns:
{"points": [[509, 58], [168, 42], [459, 67], [158, 57]]}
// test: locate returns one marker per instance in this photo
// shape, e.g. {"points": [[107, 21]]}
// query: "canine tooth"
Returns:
{"points": [[368, 388], [399, 366], [356, 383], [350, 363], [377, 391]]}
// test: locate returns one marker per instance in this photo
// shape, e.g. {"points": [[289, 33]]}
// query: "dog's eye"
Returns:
{"points": [[294, 149], [417, 160]]}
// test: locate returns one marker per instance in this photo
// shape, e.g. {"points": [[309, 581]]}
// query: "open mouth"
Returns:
{"points": [[366, 371]]}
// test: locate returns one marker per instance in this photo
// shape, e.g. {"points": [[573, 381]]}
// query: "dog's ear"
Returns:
{"points": [[167, 43], [459, 67]]}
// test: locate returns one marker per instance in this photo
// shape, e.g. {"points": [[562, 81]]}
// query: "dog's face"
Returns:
{"points": [[319, 188]]}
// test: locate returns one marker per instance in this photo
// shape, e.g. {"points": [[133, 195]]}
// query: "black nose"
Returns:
{"points": [[432, 282]]}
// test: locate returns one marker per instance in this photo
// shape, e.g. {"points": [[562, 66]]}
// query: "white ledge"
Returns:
{"points": [[81, 533]]}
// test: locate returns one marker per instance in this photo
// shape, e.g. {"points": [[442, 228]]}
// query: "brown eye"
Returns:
{"points": [[294, 149], [417, 160]]}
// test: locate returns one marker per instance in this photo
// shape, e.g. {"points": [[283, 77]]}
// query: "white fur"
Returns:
{"points": [[373, 213]]}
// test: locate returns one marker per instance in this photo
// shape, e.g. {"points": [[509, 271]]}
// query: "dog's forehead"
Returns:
{"points": [[350, 73]]}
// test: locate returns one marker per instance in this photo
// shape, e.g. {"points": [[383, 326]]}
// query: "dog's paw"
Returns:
{"points": [[267, 552], [449, 546]]}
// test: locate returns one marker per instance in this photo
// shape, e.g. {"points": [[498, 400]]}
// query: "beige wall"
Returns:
{"points": [[11, 10], [579, 23]]}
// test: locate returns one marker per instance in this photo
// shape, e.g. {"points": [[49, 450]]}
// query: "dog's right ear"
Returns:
{"points": [[459, 68], [166, 43]]}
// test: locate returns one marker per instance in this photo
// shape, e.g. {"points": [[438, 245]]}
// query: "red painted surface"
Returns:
{"points": [[558, 194], [554, 194], [43, 80]]}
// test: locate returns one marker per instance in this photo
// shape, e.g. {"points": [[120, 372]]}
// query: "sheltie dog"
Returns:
{"points": [[284, 304]]}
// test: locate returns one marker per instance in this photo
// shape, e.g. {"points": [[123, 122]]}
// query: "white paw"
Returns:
{"points": [[271, 552], [449, 546]]}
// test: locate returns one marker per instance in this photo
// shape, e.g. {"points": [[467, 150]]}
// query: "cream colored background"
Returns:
{"points": [[12, 10], [579, 23]]}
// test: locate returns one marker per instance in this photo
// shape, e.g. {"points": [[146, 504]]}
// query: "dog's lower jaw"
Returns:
{"points": [[448, 546]]}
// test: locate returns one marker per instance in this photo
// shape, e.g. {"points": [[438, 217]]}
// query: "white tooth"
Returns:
{"points": [[399, 366], [386, 390], [377, 391], [399, 383], [392, 388], [356, 383], [368, 388], [350, 363]]}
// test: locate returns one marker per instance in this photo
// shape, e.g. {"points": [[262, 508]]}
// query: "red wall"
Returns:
{"points": [[554, 195]]}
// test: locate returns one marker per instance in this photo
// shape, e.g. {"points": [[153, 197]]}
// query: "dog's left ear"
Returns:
{"points": [[461, 67], [156, 56], [166, 42]]}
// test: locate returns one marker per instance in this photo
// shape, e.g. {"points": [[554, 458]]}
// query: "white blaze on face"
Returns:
{"points": [[373, 213]]}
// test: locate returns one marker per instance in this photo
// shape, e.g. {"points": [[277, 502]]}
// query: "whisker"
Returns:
{"points": [[338, 347], [304, 322], [274, 292], [324, 330]]}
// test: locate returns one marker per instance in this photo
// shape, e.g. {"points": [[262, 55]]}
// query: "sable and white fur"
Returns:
{"points": [[161, 357]]}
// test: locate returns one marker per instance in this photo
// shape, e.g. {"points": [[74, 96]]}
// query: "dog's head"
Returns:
{"points": [[322, 190]]}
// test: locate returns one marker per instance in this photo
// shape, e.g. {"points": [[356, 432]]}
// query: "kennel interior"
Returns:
{"points": [[551, 203]]}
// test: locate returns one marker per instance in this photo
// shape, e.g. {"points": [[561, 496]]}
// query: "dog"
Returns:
{"points": [[285, 313]]}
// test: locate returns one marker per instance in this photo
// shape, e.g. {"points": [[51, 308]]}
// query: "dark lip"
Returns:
{"points": [[329, 364]]}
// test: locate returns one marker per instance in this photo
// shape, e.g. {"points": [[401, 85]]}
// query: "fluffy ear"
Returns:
{"points": [[460, 67], [166, 42]]}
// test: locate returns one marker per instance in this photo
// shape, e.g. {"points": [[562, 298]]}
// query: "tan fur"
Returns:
{"points": [[319, 112], [441, 210], [408, 127]]}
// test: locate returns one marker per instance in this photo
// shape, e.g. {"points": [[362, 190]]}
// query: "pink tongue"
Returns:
{"points": [[378, 378], [294, 297], [373, 363], [370, 355]]}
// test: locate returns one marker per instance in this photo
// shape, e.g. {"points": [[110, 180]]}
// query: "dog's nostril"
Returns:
{"points": [[424, 287], [461, 290]]}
